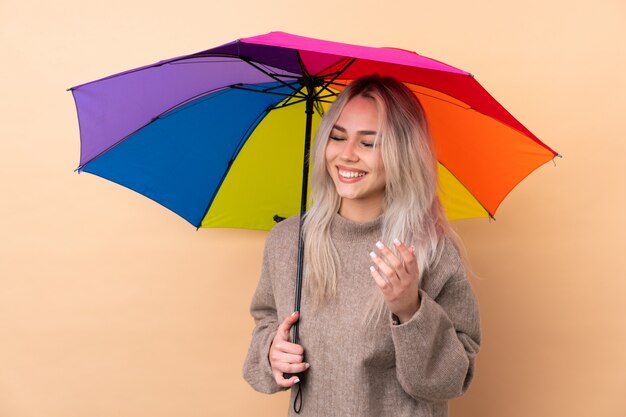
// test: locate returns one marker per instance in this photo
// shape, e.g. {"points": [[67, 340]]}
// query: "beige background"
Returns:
{"points": [[112, 306]]}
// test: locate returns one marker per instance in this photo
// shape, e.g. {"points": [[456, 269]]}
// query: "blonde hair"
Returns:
{"points": [[412, 211]]}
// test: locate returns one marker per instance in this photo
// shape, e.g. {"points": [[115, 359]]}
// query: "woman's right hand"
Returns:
{"points": [[286, 357]]}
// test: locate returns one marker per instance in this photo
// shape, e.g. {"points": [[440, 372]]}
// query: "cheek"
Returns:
{"points": [[329, 154], [380, 166], [328, 161], [329, 171]]}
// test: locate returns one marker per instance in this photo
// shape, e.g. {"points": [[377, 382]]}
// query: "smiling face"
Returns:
{"points": [[354, 163]]}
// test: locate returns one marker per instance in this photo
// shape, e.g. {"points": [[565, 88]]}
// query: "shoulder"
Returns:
{"points": [[281, 249], [284, 233]]}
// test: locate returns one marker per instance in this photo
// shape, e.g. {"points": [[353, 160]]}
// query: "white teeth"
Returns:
{"points": [[351, 174]]}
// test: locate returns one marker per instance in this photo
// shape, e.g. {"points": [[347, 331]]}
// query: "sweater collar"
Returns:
{"points": [[344, 229]]}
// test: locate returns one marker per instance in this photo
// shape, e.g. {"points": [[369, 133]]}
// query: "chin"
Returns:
{"points": [[349, 195]]}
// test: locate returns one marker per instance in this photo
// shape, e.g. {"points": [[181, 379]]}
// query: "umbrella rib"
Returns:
{"points": [[287, 104], [318, 81], [336, 75], [271, 75], [215, 91], [264, 91], [288, 101], [338, 83], [262, 68], [291, 96], [321, 98], [336, 72], [279, 86], [467, 107], [210, 61], [297, 92]]}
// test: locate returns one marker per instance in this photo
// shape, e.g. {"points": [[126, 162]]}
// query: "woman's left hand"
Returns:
{"points": [[398, 278]]}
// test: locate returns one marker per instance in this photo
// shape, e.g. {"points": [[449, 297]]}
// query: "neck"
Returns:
{"points": [[359, 212]]}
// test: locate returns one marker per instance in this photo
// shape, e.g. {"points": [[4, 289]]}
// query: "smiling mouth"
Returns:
{"points": [[350, 174]]}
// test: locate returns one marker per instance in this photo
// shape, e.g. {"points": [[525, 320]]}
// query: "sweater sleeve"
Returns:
{"points": [[257, 370], [437, 347]]}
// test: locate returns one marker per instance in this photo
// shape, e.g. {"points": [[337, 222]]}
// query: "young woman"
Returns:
{"points": [[390, 324]]}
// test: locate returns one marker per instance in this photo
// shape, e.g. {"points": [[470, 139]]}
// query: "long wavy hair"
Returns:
{"points": [[412, 211]]}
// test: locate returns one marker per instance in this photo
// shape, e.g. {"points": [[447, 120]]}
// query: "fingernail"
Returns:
{"points": [[380, 245], [307, 365], [293, 314], [372, 269], [372, 255], [396, 242], [296, 381]]}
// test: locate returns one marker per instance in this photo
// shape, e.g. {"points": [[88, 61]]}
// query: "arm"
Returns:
{"points": [[257, 370], [437, 347], [271, 353], [439, 337]]}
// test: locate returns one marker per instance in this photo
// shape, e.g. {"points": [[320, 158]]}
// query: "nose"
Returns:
{"points": [[348, 151]]}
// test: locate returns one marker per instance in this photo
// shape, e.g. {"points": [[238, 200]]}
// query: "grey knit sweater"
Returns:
{"points": [[380, 369]]}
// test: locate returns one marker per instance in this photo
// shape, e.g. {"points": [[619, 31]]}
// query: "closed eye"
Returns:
{"points": [[336, 138]]}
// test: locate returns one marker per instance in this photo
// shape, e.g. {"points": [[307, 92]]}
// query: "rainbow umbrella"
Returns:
{"points": [[220, 136], [217, 136]]}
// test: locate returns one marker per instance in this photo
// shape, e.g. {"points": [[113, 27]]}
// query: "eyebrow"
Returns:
{"points": [[360, 132]]}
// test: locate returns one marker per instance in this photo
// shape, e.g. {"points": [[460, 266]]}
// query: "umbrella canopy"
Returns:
{"points": [[217, 136]]}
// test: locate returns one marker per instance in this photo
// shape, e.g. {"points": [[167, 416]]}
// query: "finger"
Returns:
{"points": [[285, 346], [390, 257], [380, 281], [291, 368], [285, 383], [385, 270], [285, 326], [407, 255], [289, 357]]}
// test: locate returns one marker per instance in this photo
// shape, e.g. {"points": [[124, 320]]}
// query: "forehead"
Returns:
{"points": [[359, 113]]}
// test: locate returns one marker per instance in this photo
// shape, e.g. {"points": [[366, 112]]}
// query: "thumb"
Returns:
{"points": [[289, 321]]}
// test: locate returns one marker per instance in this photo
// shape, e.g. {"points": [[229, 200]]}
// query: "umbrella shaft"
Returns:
{"points": [[295, 329], [305, 178]]}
